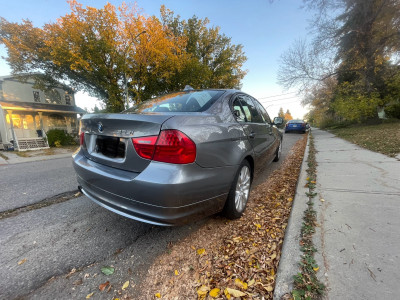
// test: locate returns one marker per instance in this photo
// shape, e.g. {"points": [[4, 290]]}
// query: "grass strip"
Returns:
{"points": [[306, 283]]}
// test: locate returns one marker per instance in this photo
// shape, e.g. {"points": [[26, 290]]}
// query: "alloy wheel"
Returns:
{"points": [[242, 188]]}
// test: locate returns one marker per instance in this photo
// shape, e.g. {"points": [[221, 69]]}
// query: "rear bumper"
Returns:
{"points": [[297, 129], [163, 194]]}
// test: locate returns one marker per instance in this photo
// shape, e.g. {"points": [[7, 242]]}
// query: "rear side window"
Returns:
{"points": [[239, 113], [191, 101], [252, 115]]}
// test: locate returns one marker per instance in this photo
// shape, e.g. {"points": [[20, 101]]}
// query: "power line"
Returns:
{"points": [[276, 95], [279, 99], [281, 103]]}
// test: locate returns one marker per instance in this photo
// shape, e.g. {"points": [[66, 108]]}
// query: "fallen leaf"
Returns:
{"points": [[22, 261], [107, 270], [86, 275], [257, 225], [125, 286], [214, 293], [227, 295], [290, 199], [78, 282], [89, 295], [322, 200], [103, 286], [235, 293], [240, 284], [176, 272], [157, 295], [202, 291], [201, 251], [77, 194], [316, 269], [269, 288], [251, 282]]}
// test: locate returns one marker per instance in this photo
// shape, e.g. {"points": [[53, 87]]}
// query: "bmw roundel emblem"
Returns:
{"points": [[100, 127]]}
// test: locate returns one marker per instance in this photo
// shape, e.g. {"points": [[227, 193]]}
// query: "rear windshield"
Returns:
{"points": [[296, 121], [191, 101]]}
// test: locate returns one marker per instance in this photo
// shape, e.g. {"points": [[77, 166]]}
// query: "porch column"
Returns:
{"points": [[40, 121], [14, 136], [68, 124]]}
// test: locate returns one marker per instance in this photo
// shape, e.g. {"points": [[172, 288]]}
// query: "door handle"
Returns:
{"points": [[252, 135]]}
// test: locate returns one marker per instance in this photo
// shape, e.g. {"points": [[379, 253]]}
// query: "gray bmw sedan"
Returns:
{"points": [[177, 158]]}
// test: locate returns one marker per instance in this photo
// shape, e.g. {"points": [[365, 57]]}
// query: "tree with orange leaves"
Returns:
{"points": [[115, 54]]}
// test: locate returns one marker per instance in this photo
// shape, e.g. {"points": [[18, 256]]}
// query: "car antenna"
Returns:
{"points": [[188, 88]]}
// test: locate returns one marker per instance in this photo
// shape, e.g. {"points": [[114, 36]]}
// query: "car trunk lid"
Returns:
{"points": [[107, 138]]}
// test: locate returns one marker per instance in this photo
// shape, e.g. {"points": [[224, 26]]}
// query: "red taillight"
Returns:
{"points": [[171, 146], [145, 146], [175, 147], [82, 138]]}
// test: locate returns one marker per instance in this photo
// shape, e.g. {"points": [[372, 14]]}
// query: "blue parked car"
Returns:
{"points": [[296, 125]]}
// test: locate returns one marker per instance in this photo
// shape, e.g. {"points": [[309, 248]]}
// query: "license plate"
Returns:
{"points": [[294, 125], [112, 147]]}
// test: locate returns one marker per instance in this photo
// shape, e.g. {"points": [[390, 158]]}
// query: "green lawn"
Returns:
{"points": [[383, 138]]}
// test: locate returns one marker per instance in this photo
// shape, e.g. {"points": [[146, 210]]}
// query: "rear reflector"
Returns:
{"points": [[171, 146], [145, 146], [82, 138]]}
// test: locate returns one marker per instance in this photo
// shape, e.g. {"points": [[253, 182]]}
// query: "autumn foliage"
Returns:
{"points": [[232, 259], [121, 55]]}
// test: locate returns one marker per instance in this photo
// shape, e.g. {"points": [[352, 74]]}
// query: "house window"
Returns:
{"points": [[67, 99], [52, 96], [57, 122], [16, 121], [36, 96]]}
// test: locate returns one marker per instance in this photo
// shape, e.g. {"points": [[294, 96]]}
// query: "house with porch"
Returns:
{"points": [[27, 113]]}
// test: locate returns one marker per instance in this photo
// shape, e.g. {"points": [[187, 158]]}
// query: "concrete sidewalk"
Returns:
{"points": [[37, 155], [358, 233]]}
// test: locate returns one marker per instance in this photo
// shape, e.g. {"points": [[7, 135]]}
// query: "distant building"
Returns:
{"points": [[27, 113]]}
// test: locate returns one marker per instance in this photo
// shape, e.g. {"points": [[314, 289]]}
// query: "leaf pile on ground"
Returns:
{"points": [[383, 138], [231, 259]]}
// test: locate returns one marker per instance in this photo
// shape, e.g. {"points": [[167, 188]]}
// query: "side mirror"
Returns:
{"points": [[278, 121]]}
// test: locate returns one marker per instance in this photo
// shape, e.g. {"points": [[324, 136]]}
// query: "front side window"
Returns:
{"points": [[192, 101], [263, 112]]}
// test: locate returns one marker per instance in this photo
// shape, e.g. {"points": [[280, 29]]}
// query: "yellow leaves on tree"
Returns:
{"points": [[120, 55]]}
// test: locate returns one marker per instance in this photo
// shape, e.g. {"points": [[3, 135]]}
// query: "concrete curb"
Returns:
{"points": [[19, 160], [290, 255]]}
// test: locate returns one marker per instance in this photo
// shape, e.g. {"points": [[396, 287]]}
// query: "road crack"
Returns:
{"points": [[41, 204]]}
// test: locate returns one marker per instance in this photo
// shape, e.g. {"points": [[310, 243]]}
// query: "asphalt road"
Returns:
{"points": [[50, 241], [27, 183]]}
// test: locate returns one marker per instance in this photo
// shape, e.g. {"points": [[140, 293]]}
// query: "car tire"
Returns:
{"points": [[278, 152], [239, 193]]}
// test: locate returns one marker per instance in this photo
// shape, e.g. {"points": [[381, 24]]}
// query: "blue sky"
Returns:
{"points": [[264, 29]]}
